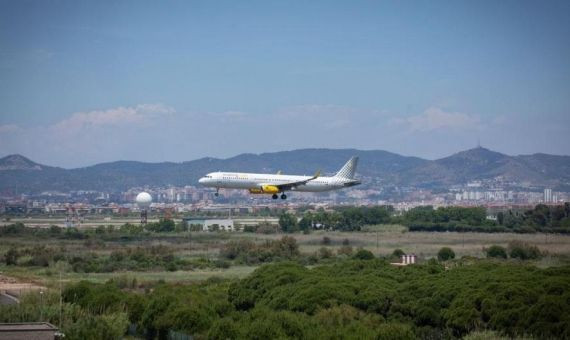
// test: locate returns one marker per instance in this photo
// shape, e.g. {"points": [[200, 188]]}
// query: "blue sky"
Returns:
{"points": [[85, 82]]}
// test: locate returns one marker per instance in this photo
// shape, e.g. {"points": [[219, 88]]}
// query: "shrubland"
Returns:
{"points": [[347, 299]]}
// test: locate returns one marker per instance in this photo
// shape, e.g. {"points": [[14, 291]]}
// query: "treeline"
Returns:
{"points": [[341, 218], [542, 218], [101, 231], [357, 299]]}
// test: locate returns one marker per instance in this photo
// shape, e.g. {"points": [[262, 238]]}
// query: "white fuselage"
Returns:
{"points": [[238, 180]]}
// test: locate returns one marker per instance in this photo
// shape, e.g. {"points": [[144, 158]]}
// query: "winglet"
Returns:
{"points": [[317, 174]]}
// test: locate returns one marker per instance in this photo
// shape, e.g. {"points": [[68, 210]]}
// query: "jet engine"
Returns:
{"points": [[265, 189]]}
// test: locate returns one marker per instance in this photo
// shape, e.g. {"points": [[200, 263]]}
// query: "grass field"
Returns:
{"points": [[382, 240], [51, 278]]}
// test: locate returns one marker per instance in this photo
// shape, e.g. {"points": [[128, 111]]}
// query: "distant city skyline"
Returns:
{"points": [[88, 82]]}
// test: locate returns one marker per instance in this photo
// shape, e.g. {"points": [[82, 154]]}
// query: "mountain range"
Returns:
{"points": [[378, 168]]}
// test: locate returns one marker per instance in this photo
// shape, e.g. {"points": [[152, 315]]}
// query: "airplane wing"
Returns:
{"points": [[290, 185]]}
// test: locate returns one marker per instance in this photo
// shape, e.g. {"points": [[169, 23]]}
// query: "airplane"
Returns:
{"points": [[275, 184]]}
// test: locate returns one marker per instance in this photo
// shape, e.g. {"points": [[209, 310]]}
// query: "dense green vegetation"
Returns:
{"points": [[542, 218], [348, 299], [445, 254], [133, 259], [342, 218], [425, 218], [496, 251], [432, 302], [249, 252]]}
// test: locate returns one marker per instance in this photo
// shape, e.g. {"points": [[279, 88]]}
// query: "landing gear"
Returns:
{"points": [[283, 196], [217, 192], [274, 196]]}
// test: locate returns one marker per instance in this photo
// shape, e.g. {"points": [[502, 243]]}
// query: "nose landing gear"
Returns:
{"points": [[217, 192]]}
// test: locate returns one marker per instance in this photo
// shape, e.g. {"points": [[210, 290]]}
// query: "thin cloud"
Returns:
{"points": [[112, 117], [9, 128], [311, 111], [231, 116], [435, 118]]}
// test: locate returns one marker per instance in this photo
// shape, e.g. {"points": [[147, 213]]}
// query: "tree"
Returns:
{"points": [[497, 252], [363, 254], [398, 253], [11, 257], [305, 224], [286, 247], [182, 226], [288, 223], [500, 217], [164, 225], [445, 254], [167, 225]]}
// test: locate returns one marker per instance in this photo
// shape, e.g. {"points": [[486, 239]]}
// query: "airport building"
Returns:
{"points": [[210, 224]]}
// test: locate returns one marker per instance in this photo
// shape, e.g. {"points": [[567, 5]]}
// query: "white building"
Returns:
{"points": [[548, 195], [211, 224], [408, 259]]}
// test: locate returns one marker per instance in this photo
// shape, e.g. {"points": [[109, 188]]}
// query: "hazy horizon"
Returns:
{"points": [[92, 82]]}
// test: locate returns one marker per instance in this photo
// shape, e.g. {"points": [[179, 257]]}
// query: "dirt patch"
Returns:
{"points": [[15, 287]]}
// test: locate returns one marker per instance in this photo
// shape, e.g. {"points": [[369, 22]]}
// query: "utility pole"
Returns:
{"points": [[60, 301], [377, 242], [41, 305]]}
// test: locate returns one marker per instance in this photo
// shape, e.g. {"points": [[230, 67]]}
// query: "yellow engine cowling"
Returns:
{"points": [[269, 189], [265, 189]]}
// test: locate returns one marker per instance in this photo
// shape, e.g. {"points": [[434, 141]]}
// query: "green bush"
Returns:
{"points": [[523, 251], [395, 331], [325, 253], [445, 254], [11, 257], [497, 252], [398, 253], [363, 254], [222, 264], [252, 253]]}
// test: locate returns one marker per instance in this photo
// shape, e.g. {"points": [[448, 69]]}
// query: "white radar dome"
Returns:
{"points": [[143, 200]]}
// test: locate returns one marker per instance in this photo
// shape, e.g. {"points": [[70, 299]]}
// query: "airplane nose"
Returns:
{"points": [[202, 180]]}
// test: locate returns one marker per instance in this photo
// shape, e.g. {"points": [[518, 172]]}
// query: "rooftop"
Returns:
{"points": [[27, 326]]}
